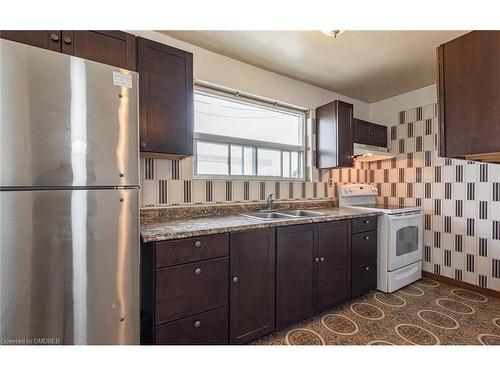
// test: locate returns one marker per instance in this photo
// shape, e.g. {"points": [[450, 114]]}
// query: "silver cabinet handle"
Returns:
{"points": [[54, 37], [321, 259], [143, 144], [67, 40], [367, 221], [235, 279], [316, 260], [197, 271], [197, 324], [197, 244], [367, 268], [367, 238]]}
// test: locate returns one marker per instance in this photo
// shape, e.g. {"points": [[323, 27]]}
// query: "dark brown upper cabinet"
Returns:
{"points": [[469, 96], [166, 99], [334, 135], [252, 271], [115, 48], [38, 38], [334, 275], [368, 133]]}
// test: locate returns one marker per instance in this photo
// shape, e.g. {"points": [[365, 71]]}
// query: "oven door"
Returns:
{"points": [[405, 240]]}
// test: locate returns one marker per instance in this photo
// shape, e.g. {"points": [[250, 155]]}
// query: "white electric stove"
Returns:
{"points": [[400, 237]]}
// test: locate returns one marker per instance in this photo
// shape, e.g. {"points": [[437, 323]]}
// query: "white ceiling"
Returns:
{"points": [[365, 65]]}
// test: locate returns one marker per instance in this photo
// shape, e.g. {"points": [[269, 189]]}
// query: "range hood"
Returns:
{"points": [[369, 153]]}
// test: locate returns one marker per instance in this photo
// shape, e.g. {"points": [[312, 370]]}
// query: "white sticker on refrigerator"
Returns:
{"points": [[123, 80]]}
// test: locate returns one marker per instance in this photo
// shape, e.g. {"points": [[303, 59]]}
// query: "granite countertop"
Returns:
{"points": [[175, 228]]}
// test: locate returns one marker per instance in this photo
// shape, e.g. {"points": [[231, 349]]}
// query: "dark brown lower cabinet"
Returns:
{"points": [[190, 288], [252, 270], [296, 273], [334, 277], [364, 279], [206, 328], [192, 292], [363, 256]]}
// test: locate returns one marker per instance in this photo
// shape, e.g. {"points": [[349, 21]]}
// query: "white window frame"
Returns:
{"points": [[244, 142]]}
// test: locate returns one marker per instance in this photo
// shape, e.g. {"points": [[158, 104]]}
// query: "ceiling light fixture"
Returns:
{"points": [[332, 33]]}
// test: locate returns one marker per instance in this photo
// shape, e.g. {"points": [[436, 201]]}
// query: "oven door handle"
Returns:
{"points": [[404, 217]]}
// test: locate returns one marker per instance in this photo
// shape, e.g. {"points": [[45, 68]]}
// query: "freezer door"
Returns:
{"points": [[69, 267], [65, 121]]}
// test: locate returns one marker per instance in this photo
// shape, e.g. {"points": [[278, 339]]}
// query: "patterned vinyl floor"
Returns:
{"points": [[424, 313]]}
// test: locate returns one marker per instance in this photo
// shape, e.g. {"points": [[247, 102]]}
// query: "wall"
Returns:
{"points": [[166, 182], [382, 112]]}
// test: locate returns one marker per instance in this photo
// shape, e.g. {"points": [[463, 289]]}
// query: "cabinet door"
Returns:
{"points": [[334, 135], [368, 133], [334, 276], [166, 100], [37, 38], [361, 131], [115, 48], [378, 135], [190, 289], [469, 95], [296, 273], [252, 270], [364, 279]]}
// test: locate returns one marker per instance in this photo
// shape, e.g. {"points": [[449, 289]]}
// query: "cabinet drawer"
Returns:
{"points": [[363, 279], [170, 253], [210, 327], [364, 248], [191, 288], [364, 224]]}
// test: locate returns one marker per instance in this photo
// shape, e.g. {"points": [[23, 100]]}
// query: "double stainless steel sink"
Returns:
{"points": [[283, 215]]}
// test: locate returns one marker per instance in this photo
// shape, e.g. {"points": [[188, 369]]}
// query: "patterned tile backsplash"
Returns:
{"points": [[460, 199], [169, 182]]}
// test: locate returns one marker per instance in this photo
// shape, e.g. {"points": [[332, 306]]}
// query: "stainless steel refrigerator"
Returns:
{"points": [[69, 231]]}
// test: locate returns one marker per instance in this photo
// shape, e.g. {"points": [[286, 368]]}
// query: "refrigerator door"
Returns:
{"points": [[69, 267], [65, 121]]}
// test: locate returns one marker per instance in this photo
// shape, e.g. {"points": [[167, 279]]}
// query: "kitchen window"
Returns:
{"points": [[243, 138]]}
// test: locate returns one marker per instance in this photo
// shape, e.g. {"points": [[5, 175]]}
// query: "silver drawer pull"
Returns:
{"points": [[235, 279], [367, 268], [316, 260], [197, 324], [197, 244], [197, 271], [367, 221], [321, 259], [367, 238]]}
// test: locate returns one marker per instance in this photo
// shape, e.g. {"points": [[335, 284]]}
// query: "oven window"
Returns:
{"points": [[406, 240]]}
